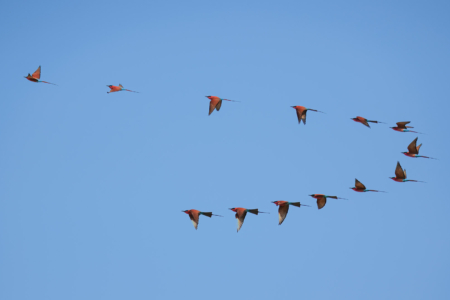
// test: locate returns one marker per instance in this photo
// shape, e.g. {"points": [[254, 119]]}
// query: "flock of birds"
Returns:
{"points": [[216, 104]]}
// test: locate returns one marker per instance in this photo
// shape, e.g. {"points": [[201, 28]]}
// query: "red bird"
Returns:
{"points": [[322, 199], [216, 103], [400, 175], [284, 208], [413, 150], [301, 113], [364, 121], [241, 213], [401, 127], [114, 88], [36, 76], [359, 187], [195, 214]]}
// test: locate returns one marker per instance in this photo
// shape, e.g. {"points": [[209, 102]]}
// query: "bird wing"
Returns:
{"points": [[240, 219], [121, 86], [418, 147], [219, 105], [37, 73], [399, 173], [364, 122], [282, 213], [211, 107], [412, 148], [321, 202], [304, 116], [194, 218], [299, 115], [402, 124], [359, 185]]}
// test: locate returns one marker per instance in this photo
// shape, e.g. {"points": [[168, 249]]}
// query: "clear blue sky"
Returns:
{"points": [[92, 184]]}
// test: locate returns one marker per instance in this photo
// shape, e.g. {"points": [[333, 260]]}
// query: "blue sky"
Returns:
{"points": [[92, 184]]}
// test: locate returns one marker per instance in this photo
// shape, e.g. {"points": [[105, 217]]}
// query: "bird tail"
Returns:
{"points": [[373, 121], [231, 100], [415, 180], [47, 82], [376, 191], [295, 203], [316, 110], [130, 91], [253, 211], [428, 157], [210, 214], [415, 131]]}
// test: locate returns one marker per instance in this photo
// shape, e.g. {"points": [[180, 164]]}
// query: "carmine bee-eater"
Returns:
{"points": [[364, 121], [216, 103], [195, 214], [413, 150], [400, 175], [241, 213], [284, 208], [401, 127], [301, 113], [114, 88], [359, 187], [322, 199], [36, 76]]}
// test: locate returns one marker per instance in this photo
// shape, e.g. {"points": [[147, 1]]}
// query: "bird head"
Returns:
{"points": [[186, 211], [312, 195], [233, 209], [276, 203], [294, 107]]}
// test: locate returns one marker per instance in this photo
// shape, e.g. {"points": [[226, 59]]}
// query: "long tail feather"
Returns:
{"points": [[376, 191], [210, 214], [231, 100], [428, 157], [130, 91], [373, 121], [316, 110], [295, 203], [47, 82], [415, 180]]}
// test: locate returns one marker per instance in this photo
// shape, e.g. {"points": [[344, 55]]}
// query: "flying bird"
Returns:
{"points": [[301, 113], [364, 121], [36, 76], [322, 199], [284, 208], [413, 150], [216, 103], [195, 214], [400, 175], [401, 127], [114, 88], [359, 187], [241, 213]]}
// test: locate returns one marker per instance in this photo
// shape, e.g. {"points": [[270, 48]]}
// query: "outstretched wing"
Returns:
{"points": [[194, 218], [399, 172], [321, 202], [304, 116], [282, 213], [412, 148], [402, 124], [219, 105], [240, 219], [37, 73], [359, 185]]}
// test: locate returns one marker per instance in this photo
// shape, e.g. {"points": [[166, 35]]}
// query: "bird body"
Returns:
{"points": [[36, 76], [194, 215], [400, 175], [364, 121], [401, 127], [413, 150], [284, 208], [216, 103], [322, 199], [115, 88], [241, 213], [301, 113], [361, 188]]}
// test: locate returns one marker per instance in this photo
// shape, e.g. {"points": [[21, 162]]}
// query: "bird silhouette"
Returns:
{"points": [[413, 150], [359, 187], [284, 208], [364, 121], [301, 113], [36, 76], [195, 214], [114, 88], [216, 103], [400, 175], [241, 213], [401, 127], [322, 199]]}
